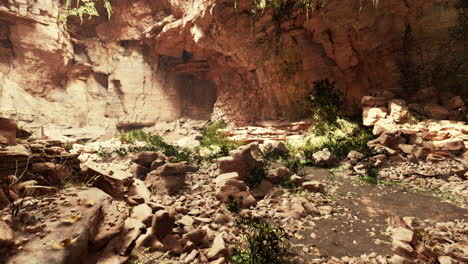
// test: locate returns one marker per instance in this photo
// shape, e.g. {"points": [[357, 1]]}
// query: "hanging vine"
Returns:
{"points": [[82, 8]]}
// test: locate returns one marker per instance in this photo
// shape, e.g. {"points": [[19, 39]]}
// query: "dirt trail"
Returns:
{"points": [[359, 225]]}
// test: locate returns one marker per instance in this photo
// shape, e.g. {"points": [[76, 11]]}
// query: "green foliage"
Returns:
{"points": [[295, 165], [153, 143], [326, 103], [443, 65], [256, 175], [82, 8], [234, 205], [371, 176], [215, 143], [264, 243], [340, 140]]}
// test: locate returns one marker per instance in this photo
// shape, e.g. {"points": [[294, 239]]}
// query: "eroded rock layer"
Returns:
{"points": [[162, 60]]}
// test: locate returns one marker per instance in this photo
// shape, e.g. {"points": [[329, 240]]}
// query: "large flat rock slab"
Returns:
{"points": [[57, 229]]}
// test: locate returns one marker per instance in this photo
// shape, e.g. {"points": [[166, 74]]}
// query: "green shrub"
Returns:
{"points": [[215, 143], [264, 243], [326, 103], [295, 165], [234, 205], [256, 175], [371, 176], [340, 141]]}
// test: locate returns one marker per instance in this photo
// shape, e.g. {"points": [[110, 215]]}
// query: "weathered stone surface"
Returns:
{"points": [[8, 130], [314, 186], [139, 171], [373, 101], [114, 184], [397, 110], [370, 115], [145, 158], [78, 215], [262, 189], [325, 158], [241, 160], [142, 213], [162, 223], [279, 175], [436, 111]]}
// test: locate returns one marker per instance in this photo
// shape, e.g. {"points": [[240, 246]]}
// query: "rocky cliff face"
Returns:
{"points": [[162, 60]]}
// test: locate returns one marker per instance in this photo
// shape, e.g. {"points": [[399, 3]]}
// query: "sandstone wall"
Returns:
{"points": [[161, 60]]}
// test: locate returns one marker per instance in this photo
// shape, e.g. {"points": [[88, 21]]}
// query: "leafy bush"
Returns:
{"points": [[327, 104], [340, 141], [215, 143], [264, 243]]}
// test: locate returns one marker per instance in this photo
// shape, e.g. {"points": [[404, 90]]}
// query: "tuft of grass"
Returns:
{"points": [[263, 243], [150, 142]]}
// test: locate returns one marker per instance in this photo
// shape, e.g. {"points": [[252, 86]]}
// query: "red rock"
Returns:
{"points": [[370, 115], [372, 101], [145, 158], [8, 130], [428, 95], [314, 186], [162, 223], [453, 144], [397, 109], [384, 126], [436, 112], [391, 141], [241, 160], [454, 103]]}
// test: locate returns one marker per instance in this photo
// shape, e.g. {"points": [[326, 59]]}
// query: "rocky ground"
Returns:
{"points": [[67, 204]]}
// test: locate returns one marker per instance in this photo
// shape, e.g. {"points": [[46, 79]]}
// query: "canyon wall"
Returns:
{"points": [[161, 60]]}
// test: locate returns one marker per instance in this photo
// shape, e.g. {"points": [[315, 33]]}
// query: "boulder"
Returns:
{"points": [[372, 101], [114, 184], [168, 178], [218, 248], [279, 175], [156, 164], [452, 144], [434, 111], [454, 103], [391, 141], [384, 126], [6, 237], [8, 129], [73, 219], [325, 158], [355, 156], [142, 213], [139, 171], [53, 174], [278, 147], [314, 186], [145, 158], [397, 109], [162, 223], [370, 115], [262, 189], [428, 95], [241, 160], [232, 189]]}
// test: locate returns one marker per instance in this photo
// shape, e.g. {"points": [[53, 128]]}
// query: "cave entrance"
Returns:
{"points": [[197, 96]]}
